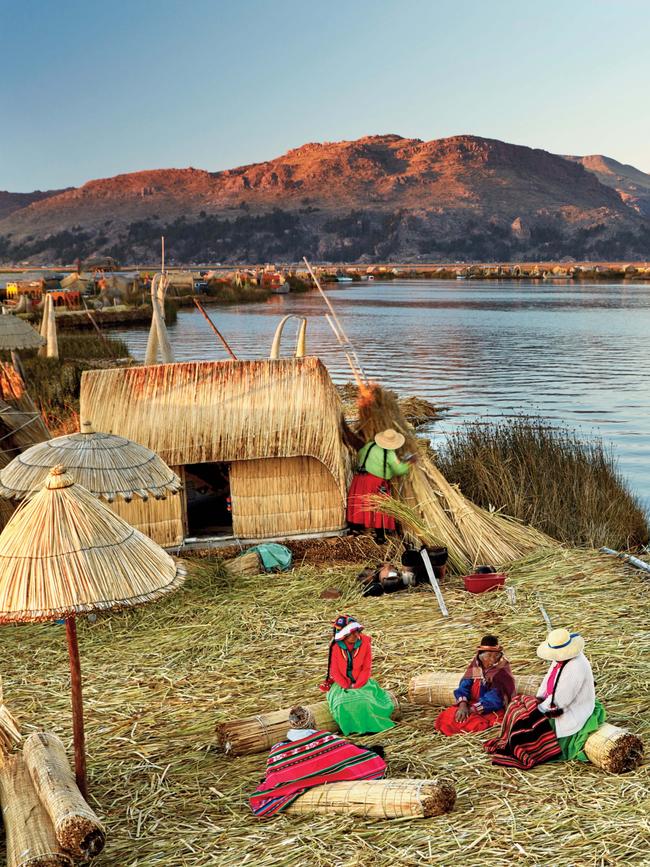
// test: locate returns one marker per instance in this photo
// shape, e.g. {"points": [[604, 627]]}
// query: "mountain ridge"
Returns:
{"points": [[429, 196]]}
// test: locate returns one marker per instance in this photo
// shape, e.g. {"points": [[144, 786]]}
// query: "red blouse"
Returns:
{"points": [[361, 664]]}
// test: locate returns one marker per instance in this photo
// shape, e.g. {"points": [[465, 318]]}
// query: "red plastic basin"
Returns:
{"points": [[478, 583]]}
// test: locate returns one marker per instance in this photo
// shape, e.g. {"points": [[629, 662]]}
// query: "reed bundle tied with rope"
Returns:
{"points": [[31, 841], [378, 799], [614, 749], [437, 687], [77, 828], [611, 748], [9, 731], [435, 511], [247, 563], [257, 733]]}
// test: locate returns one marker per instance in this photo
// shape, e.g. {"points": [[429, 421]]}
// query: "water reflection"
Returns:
{"points": [[575, 354]]}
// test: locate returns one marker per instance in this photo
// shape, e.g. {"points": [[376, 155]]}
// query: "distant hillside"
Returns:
{"points": [[375, 198], [10, 202], [632, 185]]}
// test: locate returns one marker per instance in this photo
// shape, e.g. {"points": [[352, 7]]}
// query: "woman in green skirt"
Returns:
{"points": [[356, 701]]}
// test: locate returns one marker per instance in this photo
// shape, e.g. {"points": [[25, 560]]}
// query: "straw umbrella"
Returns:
{"points": [[16, 334], [108, 466], [65, 553]]}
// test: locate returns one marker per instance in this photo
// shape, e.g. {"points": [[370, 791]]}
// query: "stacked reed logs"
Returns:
{"points": [[31, 841], [77, 828], [378, 799], [47, 821], [255, 734], [611, 748]]}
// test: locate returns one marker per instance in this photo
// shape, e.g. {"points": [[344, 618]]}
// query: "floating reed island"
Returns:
{"points": [[158, 680]]}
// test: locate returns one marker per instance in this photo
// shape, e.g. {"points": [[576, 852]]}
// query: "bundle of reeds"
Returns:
{"points": [[435, 511], [9, 731], [614, 749], [254, 734], [77, 828], [379, 799], [437, 687], [247, 564], [31, 841]]}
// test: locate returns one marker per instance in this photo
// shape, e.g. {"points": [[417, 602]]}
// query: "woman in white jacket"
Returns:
{"points": [[556, 723], [568, 696]]}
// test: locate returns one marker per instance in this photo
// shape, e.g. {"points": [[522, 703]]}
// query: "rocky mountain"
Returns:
{"points": [[374, 198], [631, 184]]}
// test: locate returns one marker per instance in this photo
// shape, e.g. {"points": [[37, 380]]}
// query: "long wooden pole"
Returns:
{"points": [[77, 707], [339, 331], [216, 330]]}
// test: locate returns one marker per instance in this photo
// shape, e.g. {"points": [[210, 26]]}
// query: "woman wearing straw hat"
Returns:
{"points": [[377, 465], [357, 702], [557, 723]]}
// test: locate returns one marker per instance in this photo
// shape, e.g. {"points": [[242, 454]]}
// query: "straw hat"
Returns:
{"points": [[108, 466], [561, 645], [64, 552], [390, 439]]}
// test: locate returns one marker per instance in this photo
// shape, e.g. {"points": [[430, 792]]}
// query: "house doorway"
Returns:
{"points": [[207, 488]]}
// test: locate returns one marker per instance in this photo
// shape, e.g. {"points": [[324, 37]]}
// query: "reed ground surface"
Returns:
{"points": [[157, 680]]}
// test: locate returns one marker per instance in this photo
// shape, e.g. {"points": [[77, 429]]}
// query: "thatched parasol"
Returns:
{"points": [[65, 553], [16, 334], [108, 466]]}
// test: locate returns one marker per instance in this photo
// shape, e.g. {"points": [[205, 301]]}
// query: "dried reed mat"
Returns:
{"points": [[254, 734], [378, 799], [436, 512], [437, 687], [108, 466], [17, 334], [220, 648], [10, 736], [247, 563], [63, 552], [31, 841], [614, 749], [77, 828]]}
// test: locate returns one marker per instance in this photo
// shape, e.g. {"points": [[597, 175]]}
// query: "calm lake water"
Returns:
{"points": [[576, 354]]}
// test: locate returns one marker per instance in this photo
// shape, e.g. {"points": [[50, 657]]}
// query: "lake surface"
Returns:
{"points": [[576, 354]]}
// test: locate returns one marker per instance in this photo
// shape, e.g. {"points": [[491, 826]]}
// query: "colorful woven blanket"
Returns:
{"points": [[295, 766]]}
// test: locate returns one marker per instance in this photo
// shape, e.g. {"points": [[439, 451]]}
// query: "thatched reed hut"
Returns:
{"points": [[258, 445]]}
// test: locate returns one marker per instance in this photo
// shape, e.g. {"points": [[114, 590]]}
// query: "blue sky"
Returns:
{"points": [[92, 89]]}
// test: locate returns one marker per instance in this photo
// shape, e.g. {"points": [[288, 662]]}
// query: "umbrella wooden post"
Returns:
{"points": [[77, 707]]}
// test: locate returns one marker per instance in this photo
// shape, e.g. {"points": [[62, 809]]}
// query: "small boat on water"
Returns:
{"points": [[342, 278]]}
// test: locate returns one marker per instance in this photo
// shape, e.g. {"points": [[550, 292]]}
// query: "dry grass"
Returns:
{"points": [[156, 680], [583, 501]]}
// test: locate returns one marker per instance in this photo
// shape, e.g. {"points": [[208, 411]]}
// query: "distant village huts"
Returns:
{"points": [[258, 445]]}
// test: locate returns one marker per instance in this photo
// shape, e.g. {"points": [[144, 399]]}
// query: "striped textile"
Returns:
{"points": [[295, 766], [527, 737]]}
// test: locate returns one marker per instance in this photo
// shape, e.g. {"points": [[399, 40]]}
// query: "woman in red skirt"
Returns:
{"points": [[377, 465]]}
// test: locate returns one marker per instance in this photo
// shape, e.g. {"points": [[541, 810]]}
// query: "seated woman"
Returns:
{"points": [[377, 465], [483, 693], [356, 701], [557, 722], [310, 758]]}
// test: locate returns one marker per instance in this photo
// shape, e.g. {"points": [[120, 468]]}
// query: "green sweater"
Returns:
{"points": [[375, 462]]}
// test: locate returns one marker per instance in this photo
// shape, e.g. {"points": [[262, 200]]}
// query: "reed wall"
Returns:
{"points": [[279, 496]]}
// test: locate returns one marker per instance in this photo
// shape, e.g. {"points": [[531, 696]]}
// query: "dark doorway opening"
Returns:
{"points": [[207, 488]]}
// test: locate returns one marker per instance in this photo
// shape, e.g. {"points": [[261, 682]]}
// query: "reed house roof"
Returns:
{"points": [[209, 411]]}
